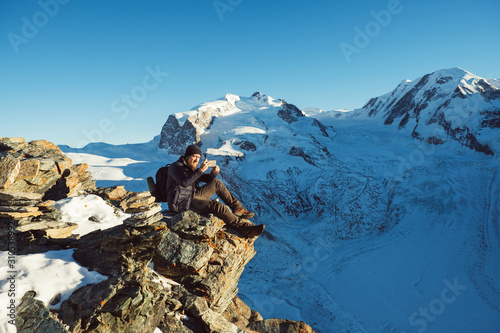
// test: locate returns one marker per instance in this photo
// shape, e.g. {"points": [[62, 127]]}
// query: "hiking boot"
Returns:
{"points": [[242, 212], [244, 223], [252, 231]]}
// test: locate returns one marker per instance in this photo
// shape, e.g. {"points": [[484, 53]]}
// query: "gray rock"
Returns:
{"points": [[119, 249], [137, 223], [177, 257], [12, 195], [290, 113], [34, 316], [194, 226], [129, 303], [280, 326]]}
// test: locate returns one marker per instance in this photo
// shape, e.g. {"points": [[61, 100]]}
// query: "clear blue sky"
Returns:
{"points": [[74, 71]]}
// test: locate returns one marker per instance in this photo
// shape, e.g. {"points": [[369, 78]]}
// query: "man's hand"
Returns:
{"points": [[204, 166], [215, 170]]}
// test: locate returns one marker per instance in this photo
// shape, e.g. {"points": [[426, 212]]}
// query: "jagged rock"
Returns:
{"points": [[46, 205], [137, 223], [214, 322], [290, 113], [22, 202], [231, 254], [128, 303], [9, 169], [12, 195], [246, 145], [73, 181], [18, 209], [197, 252], [177, 257], [280, 326], [174, 136], [201, 254], [51, 228], [18, 215], [28, 169], [239, 313], [146, 211], [151, 206], [114, 193], [190, 225], [137, 200], [298, 151], [12, 144], [42, 168], [119, 249], [37, 148], [39, 183], [34, 316]]}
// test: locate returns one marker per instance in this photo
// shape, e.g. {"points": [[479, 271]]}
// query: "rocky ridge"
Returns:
{"points": [[450, 104], [175, 273]]}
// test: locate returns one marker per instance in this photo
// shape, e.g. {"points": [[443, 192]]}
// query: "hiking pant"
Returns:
{"points": [[202, 204]]}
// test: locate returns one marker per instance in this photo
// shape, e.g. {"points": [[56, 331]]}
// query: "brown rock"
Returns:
{"points": [[61, 232], [114, 193], [64, 164], [238, 313], [46, 205], [41, 147], [28, 169], [17, 215], [138, 200], [9, 169]]}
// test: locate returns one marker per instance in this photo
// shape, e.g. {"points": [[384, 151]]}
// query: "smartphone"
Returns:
{"points": [[211, 163]]}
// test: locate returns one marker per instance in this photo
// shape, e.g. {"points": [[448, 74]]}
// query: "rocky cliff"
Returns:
{"points": [[169, 273]]}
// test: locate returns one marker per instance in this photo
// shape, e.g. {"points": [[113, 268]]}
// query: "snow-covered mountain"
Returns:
{"points": [[378, 219], [449, 104]]}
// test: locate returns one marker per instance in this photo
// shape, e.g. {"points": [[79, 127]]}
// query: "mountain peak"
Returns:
{"points": [[450, 103], [453, 71]]}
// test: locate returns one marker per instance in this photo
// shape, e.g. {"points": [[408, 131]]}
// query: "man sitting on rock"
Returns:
{"points": [[185, 194]]}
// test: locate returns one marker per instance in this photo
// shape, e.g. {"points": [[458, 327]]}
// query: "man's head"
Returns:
{"points": [[192, 156]]}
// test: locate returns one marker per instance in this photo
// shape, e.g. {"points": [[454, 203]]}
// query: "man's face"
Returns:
{"points": [[193, 160]]}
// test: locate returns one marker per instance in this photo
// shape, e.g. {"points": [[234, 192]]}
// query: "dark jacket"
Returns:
{"points": [[182, 183]]}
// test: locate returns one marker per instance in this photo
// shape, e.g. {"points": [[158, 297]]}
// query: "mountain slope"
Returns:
{"points": [[449, 104]]}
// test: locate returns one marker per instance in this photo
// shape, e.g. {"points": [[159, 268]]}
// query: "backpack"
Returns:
{"points": [[159, 190]]}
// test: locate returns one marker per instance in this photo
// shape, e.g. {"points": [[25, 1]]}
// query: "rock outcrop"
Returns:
{"points": [[175, 273], [32, 176], [179, 274]]}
